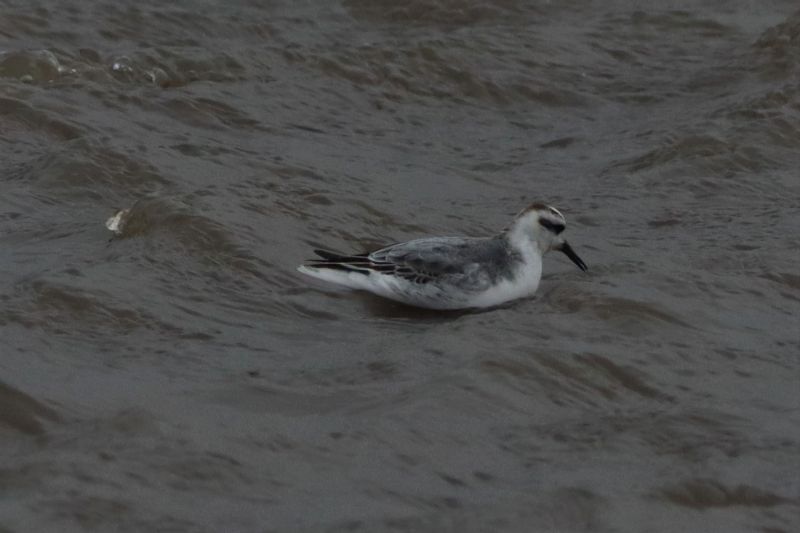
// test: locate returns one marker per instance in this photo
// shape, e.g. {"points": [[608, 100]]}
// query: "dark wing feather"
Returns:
{"points": [[426, 260], [353, 263], [398, 260], [334, 256]]}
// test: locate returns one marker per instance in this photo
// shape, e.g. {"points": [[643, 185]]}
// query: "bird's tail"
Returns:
{"points": [[351, 271], [337, 261]]}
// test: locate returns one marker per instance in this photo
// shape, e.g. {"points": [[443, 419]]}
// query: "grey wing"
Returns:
{"points": [[455, 259]]}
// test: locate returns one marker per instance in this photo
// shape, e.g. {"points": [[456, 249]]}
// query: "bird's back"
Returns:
{"points": [[470, 263]]}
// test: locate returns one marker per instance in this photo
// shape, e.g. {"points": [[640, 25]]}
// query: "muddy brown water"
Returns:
{"points": [[184, 377]]}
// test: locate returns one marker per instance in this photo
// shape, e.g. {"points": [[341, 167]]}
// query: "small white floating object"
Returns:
{"points": [[122, 65], [115, 224]]}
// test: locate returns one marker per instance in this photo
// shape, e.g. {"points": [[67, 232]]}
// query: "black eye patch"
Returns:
{"points": [[555, 227]]}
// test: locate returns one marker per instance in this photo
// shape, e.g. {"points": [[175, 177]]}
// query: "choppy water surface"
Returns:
{"points": [[183, 376]]}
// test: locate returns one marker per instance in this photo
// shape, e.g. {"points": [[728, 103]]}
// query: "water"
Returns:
{"points": [[183, 377]]}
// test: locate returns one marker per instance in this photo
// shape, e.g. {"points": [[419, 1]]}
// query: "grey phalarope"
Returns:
{"points": [[454, 272]]}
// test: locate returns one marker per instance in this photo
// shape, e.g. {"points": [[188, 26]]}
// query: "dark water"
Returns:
{"points": [[184, 377]]}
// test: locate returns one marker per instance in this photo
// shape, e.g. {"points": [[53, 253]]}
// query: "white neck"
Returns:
{"points": [[524, 235]]}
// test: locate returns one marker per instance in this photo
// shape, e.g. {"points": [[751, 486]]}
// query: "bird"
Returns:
{"points": [[447, 273]]}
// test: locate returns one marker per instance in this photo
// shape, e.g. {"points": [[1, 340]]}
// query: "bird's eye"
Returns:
{"points": [[555, 227]]}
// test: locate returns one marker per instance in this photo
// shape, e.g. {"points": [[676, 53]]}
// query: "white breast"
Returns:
{"points": [[524, 283]]}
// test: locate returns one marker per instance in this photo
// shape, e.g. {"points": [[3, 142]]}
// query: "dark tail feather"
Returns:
{"points": [[336, 261], [333, 256]]}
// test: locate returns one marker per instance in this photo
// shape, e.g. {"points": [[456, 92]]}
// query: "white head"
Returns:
{"points": [[543, 225]]}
